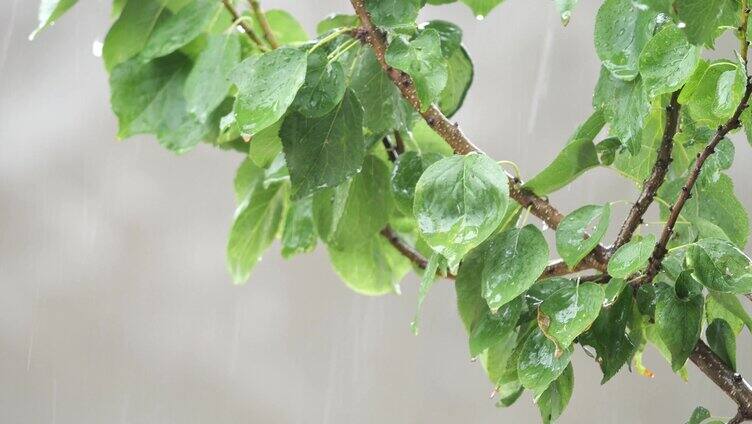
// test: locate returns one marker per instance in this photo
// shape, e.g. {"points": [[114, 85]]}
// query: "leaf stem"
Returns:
{"points": [[341, 49], [329, 38], [264, 23]]}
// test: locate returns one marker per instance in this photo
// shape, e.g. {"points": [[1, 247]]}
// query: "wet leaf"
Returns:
{"points": [[514, 259], [459, 202], [580, 231]]}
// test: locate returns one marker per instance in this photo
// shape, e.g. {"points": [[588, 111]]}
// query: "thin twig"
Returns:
{"points": [[391, 151], [243, 25], [399, 145], [264, 23], [451, 132], [743, 42], [408, 251], [656, 178], [686, 192]]}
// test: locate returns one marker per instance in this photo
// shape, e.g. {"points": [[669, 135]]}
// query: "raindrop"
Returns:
{"points": [[96, 48]]}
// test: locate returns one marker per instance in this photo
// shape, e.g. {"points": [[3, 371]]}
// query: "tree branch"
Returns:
{"points": [[743, 42], [730, 382], [708, 362], [660, 250], [408, 251], [264, 23], [737, 419], [451, 132], [656, 178], [243, 25]]}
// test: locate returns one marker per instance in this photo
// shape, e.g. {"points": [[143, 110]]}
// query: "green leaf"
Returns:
{"points": [[607, 150], [407, 171], [266, 145], [148, 98], [621, 32], [729, 308], [460, 77], [481, 8], [426, 140], [372, 267], [713, 202], [299, 234], [722, 341], [382, 102], [572, 240], [720, 266], [421, 58], [357, 209], [324, 152], [570, 311], [258, 220], [706, 19], [578, 156], [717, 94], [555, 399], [667, 61], [129, 34], [207, 84], [459, 202], [324, 86], [179, 29], [631, 257], [286, 29], [493, 333], [335, 21], [267, 85], [449, 34], [746, 119], [500, 362], [49, 12], [515, 258], [679, 322], [394, 14], [426, 282], [699, 415], [565, 8], [541, 362], [492, 327], [625, 106], [638, 166], [608, 335], [613, 289]]}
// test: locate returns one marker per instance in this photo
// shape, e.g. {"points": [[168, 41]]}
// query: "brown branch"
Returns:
{"points": [[738, 419], [555, 269], [391, 150], [399, 143], [243, 25], [733, 384], [742, 30], [656, 178], [408, 251], [686, 192], [264, 24], [451, 132]]}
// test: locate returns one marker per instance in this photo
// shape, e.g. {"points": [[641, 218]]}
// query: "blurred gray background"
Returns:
{"points": [[115, 306]]}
